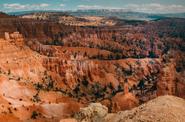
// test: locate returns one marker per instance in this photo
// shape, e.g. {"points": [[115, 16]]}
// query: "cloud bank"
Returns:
{"points": [[147, 8], [18, 6]]}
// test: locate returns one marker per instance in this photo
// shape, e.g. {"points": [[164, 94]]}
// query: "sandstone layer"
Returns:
{"points": [[48, 70]]}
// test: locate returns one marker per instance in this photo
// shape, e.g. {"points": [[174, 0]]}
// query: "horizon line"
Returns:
{"points": [[71, 10]]}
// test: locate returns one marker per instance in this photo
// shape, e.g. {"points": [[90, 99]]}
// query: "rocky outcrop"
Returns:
{"points": [[166, 86], [123, 102], [93, 113], [15, 38], [162, 109]]}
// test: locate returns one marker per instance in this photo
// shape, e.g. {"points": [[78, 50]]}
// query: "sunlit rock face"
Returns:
{"points": [[21, 69], [154, 110], [50, 71]]}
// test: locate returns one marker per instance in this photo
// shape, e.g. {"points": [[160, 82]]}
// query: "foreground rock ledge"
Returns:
{"points": [[162, 109]]}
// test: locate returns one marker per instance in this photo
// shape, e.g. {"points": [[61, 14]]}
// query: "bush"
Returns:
{"points": [[118, 56], [85, 82], [34, 115], [50, 85], [36, 98], [141, 84], [38, 86]]}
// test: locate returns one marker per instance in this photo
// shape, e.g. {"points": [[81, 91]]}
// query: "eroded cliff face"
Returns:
{"points": [[41, 30], [51, 68], [137, 79], [122, 42], [20, 70], [43, 83]]}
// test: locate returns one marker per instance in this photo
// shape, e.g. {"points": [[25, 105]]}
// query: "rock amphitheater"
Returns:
{"points": [[55, 72]]}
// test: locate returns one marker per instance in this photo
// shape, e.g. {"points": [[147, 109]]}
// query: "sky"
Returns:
{"points": [[148, 6]]}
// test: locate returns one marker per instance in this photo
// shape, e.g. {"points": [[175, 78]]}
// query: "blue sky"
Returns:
{"points": [[150, 6]]}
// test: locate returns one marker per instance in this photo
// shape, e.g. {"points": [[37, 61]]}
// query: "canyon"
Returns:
{"points": [[49, 70]]}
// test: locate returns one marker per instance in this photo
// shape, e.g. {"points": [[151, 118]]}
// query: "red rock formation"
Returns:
{"points": [[56, 68], [122, 102]]}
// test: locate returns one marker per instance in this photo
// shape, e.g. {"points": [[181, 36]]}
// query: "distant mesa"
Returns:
{"points": [[4, 15]]}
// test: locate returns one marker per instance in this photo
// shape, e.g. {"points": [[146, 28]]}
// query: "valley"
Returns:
{"points": [[53, 65]]}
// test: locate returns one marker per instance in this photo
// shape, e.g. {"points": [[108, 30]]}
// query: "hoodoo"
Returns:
{"points": [[15, 38], [91, 65]]}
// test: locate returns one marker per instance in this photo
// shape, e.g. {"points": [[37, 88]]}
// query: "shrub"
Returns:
{"points": [[36, 98], [34, 115], [38, 86], [85, 82], [141, 84], [152, 54]]}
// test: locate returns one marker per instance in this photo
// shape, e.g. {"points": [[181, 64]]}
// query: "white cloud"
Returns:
{"points": [[43, 5], [148, 8], [62, 5], [95, 7], [15, 6], [156, 8], [18, 6], [89, 7]]}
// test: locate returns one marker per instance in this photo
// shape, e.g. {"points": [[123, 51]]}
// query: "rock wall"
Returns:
{"points": [[50, 67], [15, 38]]}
